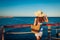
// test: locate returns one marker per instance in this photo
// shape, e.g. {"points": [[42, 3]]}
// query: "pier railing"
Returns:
{"points": [[29, 25]]}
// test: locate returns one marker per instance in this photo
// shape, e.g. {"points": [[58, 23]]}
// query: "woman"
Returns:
{"points": [[40, 18]]}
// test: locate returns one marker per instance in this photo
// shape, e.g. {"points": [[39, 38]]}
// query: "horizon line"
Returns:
{"points": [[23, 16]]}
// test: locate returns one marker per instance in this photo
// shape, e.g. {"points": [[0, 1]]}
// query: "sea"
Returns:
{"points": [[28, 36]]}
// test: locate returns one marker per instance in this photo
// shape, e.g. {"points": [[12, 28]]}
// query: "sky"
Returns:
{"points": [[29, 7]]}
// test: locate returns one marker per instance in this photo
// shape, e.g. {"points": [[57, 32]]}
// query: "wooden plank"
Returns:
{"points": [[0, 34], [55, 38], [18, 32], [55, 29]]}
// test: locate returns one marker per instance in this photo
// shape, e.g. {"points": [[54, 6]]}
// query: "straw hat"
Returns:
{"points": [[38, 13]]}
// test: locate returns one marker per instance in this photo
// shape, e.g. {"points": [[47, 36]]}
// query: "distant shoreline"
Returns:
{"points": [[14, 16], [6, 16]]}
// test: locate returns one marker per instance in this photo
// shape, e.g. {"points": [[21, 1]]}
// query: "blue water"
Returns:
{"points": [[26, 20]]}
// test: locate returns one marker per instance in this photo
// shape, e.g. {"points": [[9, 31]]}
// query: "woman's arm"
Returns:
{"points": [[35, 21], [46, 20], [45, 17]]}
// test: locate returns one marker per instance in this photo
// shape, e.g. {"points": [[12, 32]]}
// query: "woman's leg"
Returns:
{"points": [[40, 33], [37, 36]]}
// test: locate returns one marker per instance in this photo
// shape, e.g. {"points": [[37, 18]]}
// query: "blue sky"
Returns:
{"points": [[28, 7]]}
